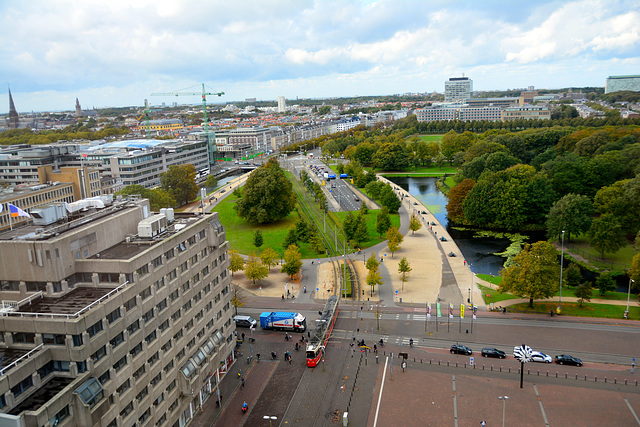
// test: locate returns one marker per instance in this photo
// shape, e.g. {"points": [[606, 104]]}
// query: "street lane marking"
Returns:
{"points": [[632, 411], [544, 415], [455, 402], [384, 374]]}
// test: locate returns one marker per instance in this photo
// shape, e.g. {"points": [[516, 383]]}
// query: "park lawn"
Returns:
{"points": [[371, 226], [611, 296], [493, 296], [496, 280], [622, 258], [240, 232], [450, 181], [573, 309], [430, 138]]}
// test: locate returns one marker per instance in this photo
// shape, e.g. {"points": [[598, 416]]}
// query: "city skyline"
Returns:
{"points": [[116, 54]]}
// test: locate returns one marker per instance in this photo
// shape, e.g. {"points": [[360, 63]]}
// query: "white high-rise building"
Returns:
{"points": [[282, 104], [458, 89]]}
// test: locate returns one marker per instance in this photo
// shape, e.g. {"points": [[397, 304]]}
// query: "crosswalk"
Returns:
{"points": [[403, 316]]}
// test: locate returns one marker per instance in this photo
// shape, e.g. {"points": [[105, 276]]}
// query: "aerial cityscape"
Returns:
{"points": [[365, 213]]}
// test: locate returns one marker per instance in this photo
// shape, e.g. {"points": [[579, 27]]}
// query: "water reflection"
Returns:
{"points": [[479, 251]]}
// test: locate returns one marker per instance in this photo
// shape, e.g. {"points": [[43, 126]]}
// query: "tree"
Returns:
{"points": [[269, 257], [180, 182], [383, 222], [267, 195], [583, 293], [605, 283], [404, 268], [158, 198], [316, 243], [374, 279], [238, 298], [572, 276], [255, 269], [291, 238], [372, 262], [236, 262], [634, 271], [605, 234], [534, 273], [394, 238], [391, 156], [456, 196], [363, 208], [257, 239], [572, 213], [349, 225], [211, 181], [414, 224], [292, 261], [360, 233]]}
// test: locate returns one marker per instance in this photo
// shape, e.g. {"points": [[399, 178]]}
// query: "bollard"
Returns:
{"points": [[625, 381], [595, 379], [376, 359], [585, 377], [465, 365], [509, 369], [538, 372], [565, 375], [491, 367], [605, 380], [615, 381], [447, 363], [576, 377], [556, 374], [547, 373], [500, 368], [456, 364], [483, 367], [438, 363]]}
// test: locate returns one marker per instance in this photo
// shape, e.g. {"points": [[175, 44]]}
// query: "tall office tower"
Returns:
{"points": [[282, 104], [14, 120], [622, 83], [458, 89], [78, 109], [112, 316]]}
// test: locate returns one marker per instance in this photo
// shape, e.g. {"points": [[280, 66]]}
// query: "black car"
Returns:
{"points": [[493, 352], [565, 359], [460, 349]]}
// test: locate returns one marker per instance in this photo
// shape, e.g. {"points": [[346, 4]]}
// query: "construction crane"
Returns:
{"points": [[204, 111], [146, 116]]}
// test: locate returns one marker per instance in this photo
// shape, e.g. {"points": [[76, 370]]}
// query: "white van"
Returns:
{"points": [[245, 321]]}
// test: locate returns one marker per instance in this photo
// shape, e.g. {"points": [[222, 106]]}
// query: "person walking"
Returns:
{"points": [[242, 386]]}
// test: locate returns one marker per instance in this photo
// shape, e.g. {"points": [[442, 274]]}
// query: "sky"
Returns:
{"points": [[116, 53]]}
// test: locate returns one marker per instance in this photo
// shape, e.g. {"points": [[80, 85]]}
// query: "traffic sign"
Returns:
{"points": [[471, 361]]}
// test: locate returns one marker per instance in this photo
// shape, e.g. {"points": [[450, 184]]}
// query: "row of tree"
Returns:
{"points": [[258, 267]]}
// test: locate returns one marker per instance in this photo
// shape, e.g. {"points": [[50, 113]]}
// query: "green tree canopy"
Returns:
{"points": [[605, 234], [180, 181], [254, 269], [374, 279], [158, 198], [267, 196], [534, 273], [269, 257], [236, 262], [383, 222], [391, 156], [292, 261], [211, 181], [414, 224], [605, 283], [394, 239], [404, 268], [257, 239], [583, 293], [572, 213]]}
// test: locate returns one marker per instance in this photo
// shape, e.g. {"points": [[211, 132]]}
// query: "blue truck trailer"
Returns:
{"points": [[283, 321]]}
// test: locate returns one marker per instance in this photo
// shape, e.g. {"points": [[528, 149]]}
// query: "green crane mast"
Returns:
{"points": [[210, 144]]}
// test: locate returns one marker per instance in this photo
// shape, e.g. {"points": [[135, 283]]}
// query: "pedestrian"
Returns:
{"points": [[243, 337], [309, 334], [242, 386], [282, 297], [464, 262], [375, 349], [302, 338]]}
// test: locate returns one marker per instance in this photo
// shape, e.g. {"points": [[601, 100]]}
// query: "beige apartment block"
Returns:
{"points": [[116, 318]]}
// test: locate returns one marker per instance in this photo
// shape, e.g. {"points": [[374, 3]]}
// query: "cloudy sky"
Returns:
{"points": [[116, 53]]}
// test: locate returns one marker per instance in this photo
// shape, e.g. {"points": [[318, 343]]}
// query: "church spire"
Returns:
{"points": [[78, 109], [13, 114]]}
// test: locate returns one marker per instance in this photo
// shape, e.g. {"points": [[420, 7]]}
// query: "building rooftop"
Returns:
{"points": [[69, 304], [9, 356], [45, 393]]}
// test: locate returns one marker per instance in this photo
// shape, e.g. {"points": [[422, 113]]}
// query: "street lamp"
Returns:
{"points": [[561, 265], [504, 406], [267, 417], [629, 295], [364, 257]]}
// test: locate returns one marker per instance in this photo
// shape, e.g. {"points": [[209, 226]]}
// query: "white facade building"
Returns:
{"points": [[458, 89]]}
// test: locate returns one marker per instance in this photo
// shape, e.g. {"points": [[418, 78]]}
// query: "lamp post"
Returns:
{"points": [[504, 406], [629, 295], [267, 417], [561, 265], [364, 257]]}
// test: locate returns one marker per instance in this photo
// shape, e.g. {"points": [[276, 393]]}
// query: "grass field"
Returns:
{"points": [[621, 259], [573, 309], [430, 138]]}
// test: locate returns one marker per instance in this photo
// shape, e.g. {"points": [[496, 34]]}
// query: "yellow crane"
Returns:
{"points": [[146, 116], [204, 94]]}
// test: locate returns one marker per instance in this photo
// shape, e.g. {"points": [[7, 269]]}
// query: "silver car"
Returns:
{"points": [[540, 357]]}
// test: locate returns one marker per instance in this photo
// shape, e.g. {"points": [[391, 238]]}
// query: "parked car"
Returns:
{"points": [[245, 321], [540, 357], [565, 359], [415, 203], [443, 239], [460, 349], [493, 352], [423, 212]]}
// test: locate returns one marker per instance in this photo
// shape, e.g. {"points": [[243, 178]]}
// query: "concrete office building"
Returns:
{"points": [[282, 104], [458, 89], [113, 318], [526, 112], [620, 83], [27, 197]]}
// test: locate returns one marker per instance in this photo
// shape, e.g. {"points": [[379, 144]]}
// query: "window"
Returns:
{"points": [[172, 384], [176, 315], [181, 247], [191, 343], [197, 297], [178, 335], [120, 364], [102, 352], [192, 240], [201, 333], [174, 295], [104, 377], [170, 254], [90, 392], [151, 337], [160, 283], [199, 357], [155, 380], [156, 262], [133, 327], [131, 304], [81, 366], [127, 409], [184, 267], [77, 340], [164, 325], [185, 286], [186, 306], [188, 369], [205, 270], [195, 279], [24, 338], [117, 340], [173, 274], [193, 260], [142, 271], [146, 293], [61, 415], [167, 346], [202, 234], [167, 368], [189, 325], [173, 406], [136, 350], [94, 329], [162, 419], [145, 415], [143, 393], [113, 316], [148, 316], [137, 374], [181, 354], [53, 339]]}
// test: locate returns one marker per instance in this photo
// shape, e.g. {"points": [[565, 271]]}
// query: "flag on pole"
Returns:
{"points": [[428, 310], [462, 311], [438, 310], [16, 211], [451, 310]]}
